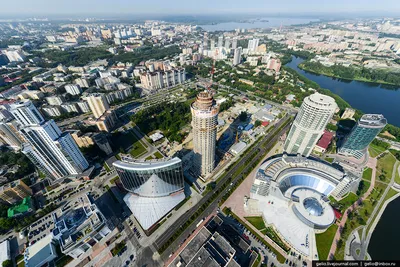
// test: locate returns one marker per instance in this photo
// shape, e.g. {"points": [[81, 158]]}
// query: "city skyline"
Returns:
{"points": [[124, 7]]}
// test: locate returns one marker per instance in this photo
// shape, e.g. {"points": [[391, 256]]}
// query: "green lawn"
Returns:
{"points": [[367, 174], [128, 140], [384, 168], [158, 155], [344, 203], [257, 222], [397, 177], [149, 157], [329, 159], [375, 150], [112, 181], [324, 241]]}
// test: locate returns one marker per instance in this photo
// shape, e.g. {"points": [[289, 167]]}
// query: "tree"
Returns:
{"points": [[257, 123], [7, 263], [243, 116]]}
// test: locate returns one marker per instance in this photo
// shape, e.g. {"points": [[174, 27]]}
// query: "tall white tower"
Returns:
{"points": [[204, 124], [54, 152], [315, 113], [237, 56]]}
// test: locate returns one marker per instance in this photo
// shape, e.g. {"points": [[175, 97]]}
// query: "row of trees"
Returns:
{"points": [[353, 73]]}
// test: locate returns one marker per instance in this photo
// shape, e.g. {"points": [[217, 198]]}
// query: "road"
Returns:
{"points": [[259, 150]]}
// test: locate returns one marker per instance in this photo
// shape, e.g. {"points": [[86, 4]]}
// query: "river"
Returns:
{"points": [[255, 24], [367, 97]]}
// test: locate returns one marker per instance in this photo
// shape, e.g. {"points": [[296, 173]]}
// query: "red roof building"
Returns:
{"points": [[265, 123], [324, 142]]}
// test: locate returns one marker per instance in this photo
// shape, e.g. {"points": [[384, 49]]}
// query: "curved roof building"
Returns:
{"points": [[155, 187], [291, 193]]}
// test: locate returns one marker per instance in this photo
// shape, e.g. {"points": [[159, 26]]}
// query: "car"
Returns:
{"points": [[127, 262], [131, 257]]}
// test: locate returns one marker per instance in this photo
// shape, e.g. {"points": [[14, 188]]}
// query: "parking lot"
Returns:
{"points": [[40, 229]]}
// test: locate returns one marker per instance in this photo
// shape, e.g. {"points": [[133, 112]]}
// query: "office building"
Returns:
{"points": [[348, 113], [54, 152], [79, 228], [41, 253], [82, 82], [15, 56], [234, 43], [220, 41], [55, 100], [314, 114], [5, 253], [237, 56], [362, 134], [98, 104], [102, 142], [253, 44], [155, 187], [9, 135], [14, 192], [227, 43], [204, 124], [73, 89], [162, 79]]}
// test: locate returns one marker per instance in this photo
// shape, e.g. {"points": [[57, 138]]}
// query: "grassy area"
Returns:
{"points": [[257, 222], [397, 177], [375, 150], [344, 203], [367, 174], [21, 264], [329, 159], [359, 217], [279, 256], [106, 167], [390, 194], [384, 168], [129, 140], [257, 261], [149, 157], [324, 241], [118, 248], [158, 155], [112, 181]]}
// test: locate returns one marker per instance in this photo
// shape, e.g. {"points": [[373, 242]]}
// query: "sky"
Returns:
{"points": [[171, 7]]}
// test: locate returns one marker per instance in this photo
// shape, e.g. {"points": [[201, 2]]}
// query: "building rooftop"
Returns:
{"points": [[373, 120], [41, 252], [23, 207], [137, 165], [5, 251], [325, 140]]}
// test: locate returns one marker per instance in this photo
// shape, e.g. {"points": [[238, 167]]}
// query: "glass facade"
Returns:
{"points": [[309, 181], [152, 179]]}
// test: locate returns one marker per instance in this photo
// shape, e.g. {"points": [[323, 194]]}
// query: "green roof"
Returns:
{"points": [[23, 207]]}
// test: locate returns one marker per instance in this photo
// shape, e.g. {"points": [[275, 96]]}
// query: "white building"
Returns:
{"points": [[162, 79], [5, 251], [314, 114], [40, 253], [83, 83], [54, 152], [237, 56], [15, 56], [73, 89], [252, 46], [55, 100], [83, 106], [98, 104], [204, 123], [52, 111]]}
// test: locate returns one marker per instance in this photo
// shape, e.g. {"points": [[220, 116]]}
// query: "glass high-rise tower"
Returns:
{"points": [[362, 134]]}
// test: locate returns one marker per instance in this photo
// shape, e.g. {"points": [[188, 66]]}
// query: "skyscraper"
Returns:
{"points": [[237, 56], [362, 134], [212, 45], [52, 151], [98, 104], [314, 114], [227, 43], [253, 44], [234, 43], [155, 187], [204, 123], [220, 41]]}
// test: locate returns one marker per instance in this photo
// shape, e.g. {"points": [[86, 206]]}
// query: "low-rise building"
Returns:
{"points": [[40, 253], [14, 192]]}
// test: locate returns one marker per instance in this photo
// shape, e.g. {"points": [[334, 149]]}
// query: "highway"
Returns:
{"points": [[259, 150]]}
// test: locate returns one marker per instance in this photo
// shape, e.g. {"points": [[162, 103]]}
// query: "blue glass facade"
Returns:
{"points": [[309, 181]]}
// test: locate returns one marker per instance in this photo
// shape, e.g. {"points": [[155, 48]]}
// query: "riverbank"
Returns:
{"points": [[359, 79], [365, 97]]}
